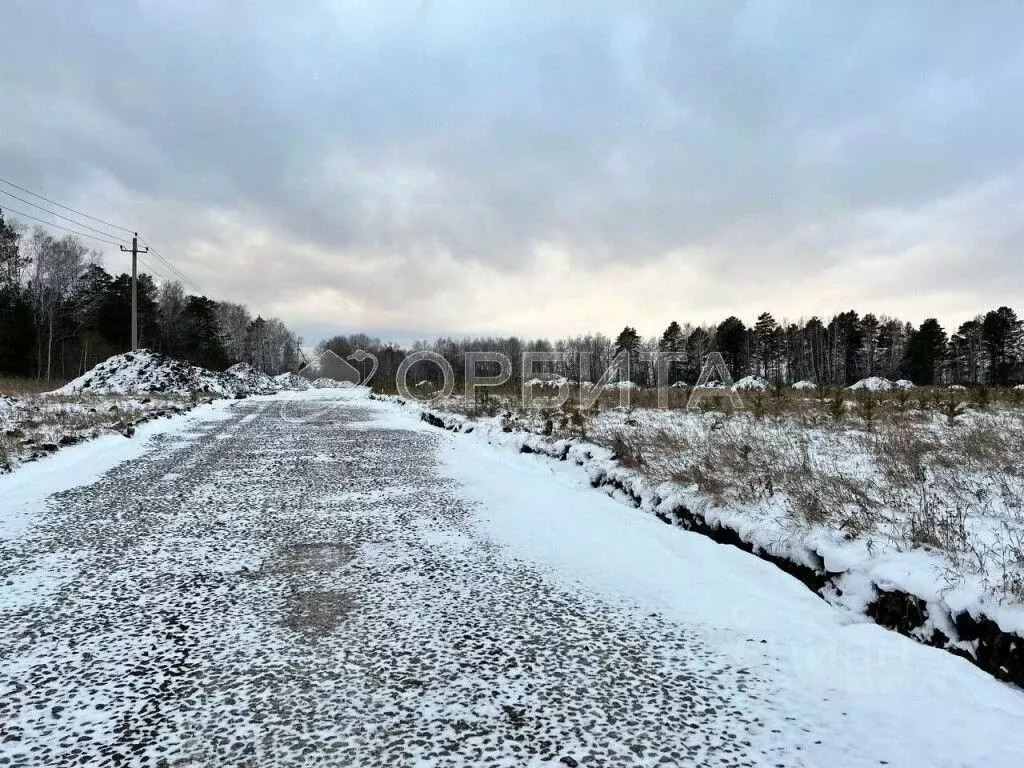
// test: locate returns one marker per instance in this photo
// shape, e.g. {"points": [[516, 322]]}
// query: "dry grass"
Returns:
{"points": [[41, 422], [913, 481], [929, 467], [17, 386]]}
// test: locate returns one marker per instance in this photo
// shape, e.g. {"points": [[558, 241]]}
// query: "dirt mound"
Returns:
{"points": [[751, 382], [146, 371], [255, 380], [874, 384], [292, 381], [8, 408], [332, 384]]}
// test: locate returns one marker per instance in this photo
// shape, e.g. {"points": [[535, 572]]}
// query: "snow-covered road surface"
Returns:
{"points": [[320, 579]]}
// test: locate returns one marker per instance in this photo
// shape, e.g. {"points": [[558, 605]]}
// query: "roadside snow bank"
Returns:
{"points": [[902, 590], [24, 492], [37, 426], [145, 371]]}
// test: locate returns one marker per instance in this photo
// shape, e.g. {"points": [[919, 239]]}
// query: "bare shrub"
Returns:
{"points": [[980, 396], [900, 454], [952, 407], [901, 399], [979, 446], [628, 450], [867, 406], [836, 406]]}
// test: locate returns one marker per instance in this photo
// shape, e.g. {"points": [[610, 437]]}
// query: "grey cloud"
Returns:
{"points": [[617, 131]]}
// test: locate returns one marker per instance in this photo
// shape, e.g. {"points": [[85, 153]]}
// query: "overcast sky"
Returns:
{"points": [[541, 167]]}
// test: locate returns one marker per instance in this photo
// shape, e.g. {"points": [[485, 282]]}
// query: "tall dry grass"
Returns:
{"points": [[17, 386], [930, 467]]}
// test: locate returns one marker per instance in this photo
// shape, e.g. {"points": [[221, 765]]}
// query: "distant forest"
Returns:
{"points": [[839, 351], [61, 313]]}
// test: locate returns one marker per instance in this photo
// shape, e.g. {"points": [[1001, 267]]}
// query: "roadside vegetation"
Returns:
{"points": [[931, 468], [19, 386], [38, 424]]}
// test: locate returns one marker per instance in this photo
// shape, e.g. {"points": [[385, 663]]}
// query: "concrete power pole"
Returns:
{"points": [[135, 288]]}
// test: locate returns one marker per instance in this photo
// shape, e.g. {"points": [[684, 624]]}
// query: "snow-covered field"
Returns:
{"points": [[316, 578], [914, 490], [923, 502]]}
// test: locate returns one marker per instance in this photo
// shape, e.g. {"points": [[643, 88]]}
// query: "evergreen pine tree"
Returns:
{"points": [[926, 353], [1001, 337], [627, 347]]}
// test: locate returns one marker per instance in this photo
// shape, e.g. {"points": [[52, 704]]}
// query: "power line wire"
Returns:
{"points": [[185, 278], [65, 207], [159, 273], [58, 215], [58, 226], [174, 270], [151, 268]]}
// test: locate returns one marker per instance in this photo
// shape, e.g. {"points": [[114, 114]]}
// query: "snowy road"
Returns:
{"points": [[318, 579]]}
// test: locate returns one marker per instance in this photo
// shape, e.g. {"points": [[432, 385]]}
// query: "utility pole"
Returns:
{"points": [[135, 287]]}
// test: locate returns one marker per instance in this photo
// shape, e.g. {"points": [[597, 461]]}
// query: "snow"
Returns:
{"points": [[549, 381], [966, 577], [905, 384], [38, 425], [817, 685], [80, 464], [750, 382], [255, 381], [874, 384], [957, 387], [292, 381], [877, 695], [1019, 387], [145, 371], [325, 383], [805, 385], [8, 407]]}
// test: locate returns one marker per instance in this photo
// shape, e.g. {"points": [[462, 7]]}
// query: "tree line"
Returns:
{"points": [[839, 351], [61, 313]]}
